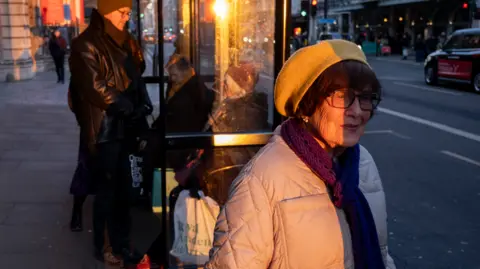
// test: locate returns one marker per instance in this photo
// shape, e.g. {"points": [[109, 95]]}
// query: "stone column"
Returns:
{"points": [[16, 59], [393, 22], [451, 17], [476, 23], [340, 23], [408, 23], [351, 24]]}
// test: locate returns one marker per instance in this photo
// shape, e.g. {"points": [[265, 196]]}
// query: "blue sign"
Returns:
{"points": [[327, 21], [66, 12]]}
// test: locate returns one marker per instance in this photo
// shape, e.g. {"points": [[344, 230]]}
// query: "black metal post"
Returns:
{"points": [[162, 118], [282, 40], [325, 9], [194, 44], [139, 24]]}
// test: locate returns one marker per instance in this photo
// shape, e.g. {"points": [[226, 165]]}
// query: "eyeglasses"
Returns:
{"points": [[125, 13], [344, 98]]}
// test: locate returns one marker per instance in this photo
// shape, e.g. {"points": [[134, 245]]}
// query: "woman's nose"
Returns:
{"points": [[355, 108]]}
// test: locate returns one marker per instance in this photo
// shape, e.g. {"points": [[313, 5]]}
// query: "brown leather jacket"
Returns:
{"points": [[99, 83]]}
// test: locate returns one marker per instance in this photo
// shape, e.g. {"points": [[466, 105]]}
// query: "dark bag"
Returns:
{"points": [[139, 192]]}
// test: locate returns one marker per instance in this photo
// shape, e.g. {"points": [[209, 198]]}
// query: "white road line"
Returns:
{"points": [[460, 157], [397, 78], [266, 77], [436, 125], [427, 88], [398, 61], [391, 132], [148, 56], [400, 135], [378, 132]]}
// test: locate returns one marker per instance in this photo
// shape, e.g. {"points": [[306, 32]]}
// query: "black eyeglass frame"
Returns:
{"points": [[353, 96]]}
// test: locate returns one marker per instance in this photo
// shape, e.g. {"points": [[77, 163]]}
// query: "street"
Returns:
{"points": [[149, 54], [425, 141]]}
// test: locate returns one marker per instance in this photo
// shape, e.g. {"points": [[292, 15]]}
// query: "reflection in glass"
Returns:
{"points": [[244, 32], [224, 50]]}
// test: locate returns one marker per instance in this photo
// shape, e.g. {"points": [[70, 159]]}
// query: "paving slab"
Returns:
{"points": [[38, 151]]}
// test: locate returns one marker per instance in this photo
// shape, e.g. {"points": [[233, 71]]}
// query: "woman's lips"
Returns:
{"points": [[351, 127]]}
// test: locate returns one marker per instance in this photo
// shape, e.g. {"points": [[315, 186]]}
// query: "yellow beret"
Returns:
{"points": [[305, 66]]}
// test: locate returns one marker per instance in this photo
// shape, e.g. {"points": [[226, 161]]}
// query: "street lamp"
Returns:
{"points": [[221, 8]]}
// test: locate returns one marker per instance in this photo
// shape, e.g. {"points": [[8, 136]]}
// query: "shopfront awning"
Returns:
{"points": [[344, 9], [384, 3]]}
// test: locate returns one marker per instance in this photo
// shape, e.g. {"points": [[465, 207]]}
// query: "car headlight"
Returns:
{"points": [[427, 60]]}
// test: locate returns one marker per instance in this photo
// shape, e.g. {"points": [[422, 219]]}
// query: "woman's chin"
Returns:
{"points": [[350, 141]]}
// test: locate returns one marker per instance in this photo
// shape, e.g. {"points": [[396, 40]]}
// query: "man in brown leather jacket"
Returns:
{"points": [[110, 102]]}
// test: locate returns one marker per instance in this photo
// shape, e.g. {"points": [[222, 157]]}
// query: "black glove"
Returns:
{"points": [[121, 106], [140, 112]]}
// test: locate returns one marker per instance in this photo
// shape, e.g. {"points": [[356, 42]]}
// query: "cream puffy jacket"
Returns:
{"points": [[279, 215]]}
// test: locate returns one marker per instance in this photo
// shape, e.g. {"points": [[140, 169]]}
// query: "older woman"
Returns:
{"points": [[312, 197]]}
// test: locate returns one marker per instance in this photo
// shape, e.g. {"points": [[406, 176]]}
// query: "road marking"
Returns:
{"points": [[378, 132], [460, 157], [148, 57], [397, 61], [391, 132], [266, 77], [397, 78], [436, 125], [427, 88]]}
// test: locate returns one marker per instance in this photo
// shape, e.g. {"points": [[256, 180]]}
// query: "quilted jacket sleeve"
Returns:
{"points": [[243, 236]]}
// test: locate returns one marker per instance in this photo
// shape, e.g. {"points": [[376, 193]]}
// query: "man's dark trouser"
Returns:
{"points": [[112, 205], [60, 67]]}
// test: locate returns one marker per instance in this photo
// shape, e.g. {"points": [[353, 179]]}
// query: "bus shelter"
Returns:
{"points": [[215, 36]]}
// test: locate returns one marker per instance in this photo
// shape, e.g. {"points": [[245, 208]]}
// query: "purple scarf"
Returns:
{"points": [[342, 180]]}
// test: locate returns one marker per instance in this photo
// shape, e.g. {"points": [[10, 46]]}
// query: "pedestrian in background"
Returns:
{"points": [[312, 197], [58, 48], [405, 41], [109, 99], [420, 48]]}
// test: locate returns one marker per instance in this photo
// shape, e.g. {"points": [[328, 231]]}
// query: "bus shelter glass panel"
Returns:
{"points": [[223, 83], [175, 32]]}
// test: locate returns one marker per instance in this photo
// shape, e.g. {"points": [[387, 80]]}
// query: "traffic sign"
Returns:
{"points": [[327, 21]]}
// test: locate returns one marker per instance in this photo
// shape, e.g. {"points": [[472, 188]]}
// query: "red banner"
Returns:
{"points": [[52, 12]]}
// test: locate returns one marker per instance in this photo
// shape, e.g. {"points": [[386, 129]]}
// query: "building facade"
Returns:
{"points": [[395, 17], [24, 28]]}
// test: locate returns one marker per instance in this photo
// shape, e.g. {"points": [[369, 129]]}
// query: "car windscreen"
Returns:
{"points": [[463, 41]]}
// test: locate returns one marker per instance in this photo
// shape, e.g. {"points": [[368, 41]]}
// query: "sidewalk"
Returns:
{"points": [[38, 149]]}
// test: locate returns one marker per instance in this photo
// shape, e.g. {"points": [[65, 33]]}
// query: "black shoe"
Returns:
{"points": [[76, 222], [130, 257], [98, 254]]}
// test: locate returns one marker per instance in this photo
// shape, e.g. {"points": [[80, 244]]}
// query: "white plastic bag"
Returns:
{"points": [[194, 221]]}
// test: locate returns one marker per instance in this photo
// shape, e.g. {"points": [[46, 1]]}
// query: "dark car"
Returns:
{"points": [[457, 60]]}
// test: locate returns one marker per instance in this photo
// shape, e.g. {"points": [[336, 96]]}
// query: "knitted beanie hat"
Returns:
{"points": [[107, 6]]}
